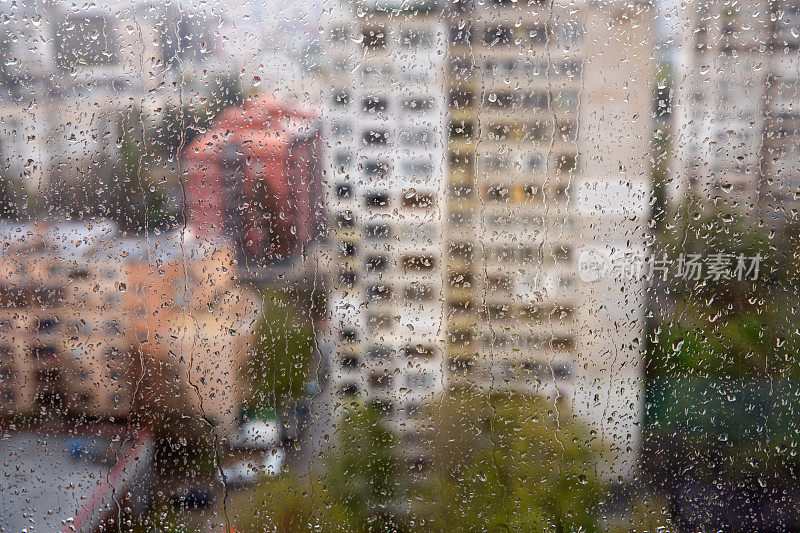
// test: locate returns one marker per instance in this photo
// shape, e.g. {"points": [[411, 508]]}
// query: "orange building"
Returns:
{"points": [[97, 324], [255, 177]]}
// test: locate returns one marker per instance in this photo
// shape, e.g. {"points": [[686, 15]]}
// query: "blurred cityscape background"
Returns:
{"points": [[377, 265]]}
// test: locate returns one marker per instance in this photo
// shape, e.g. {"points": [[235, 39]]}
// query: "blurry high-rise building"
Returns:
{"points": [[550, 117], [737, 107], [385, 149], [538, 162], [70, 70]]}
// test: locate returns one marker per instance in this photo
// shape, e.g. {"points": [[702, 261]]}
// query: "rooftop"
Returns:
{"points": [[51, 481]]}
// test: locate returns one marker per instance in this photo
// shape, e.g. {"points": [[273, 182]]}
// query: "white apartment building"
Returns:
{"points": [[72, 69], [736, 108], [545, 163], [384, 149]]}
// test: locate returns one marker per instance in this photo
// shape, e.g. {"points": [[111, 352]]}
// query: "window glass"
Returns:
{"points": [[399, 266]]}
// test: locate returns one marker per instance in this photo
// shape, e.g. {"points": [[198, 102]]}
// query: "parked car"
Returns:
{"points": [[88, 449], [258, 435], [247, 472], [193, 498]]}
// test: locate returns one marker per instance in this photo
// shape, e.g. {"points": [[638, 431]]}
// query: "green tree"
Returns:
{"points": [[722, 359], [135, 202], [355, 495], [364, 470], [714, 326], [498, 462], [163, 518], [179, 126], [507, 462], [292, 503], [280, 363]]}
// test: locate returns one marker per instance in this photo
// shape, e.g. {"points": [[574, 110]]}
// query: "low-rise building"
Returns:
{"points": [[97, 324], [73, 482], [255, 176]]}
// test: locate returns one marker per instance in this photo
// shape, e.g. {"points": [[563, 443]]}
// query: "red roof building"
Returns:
{"points": [[255, 177]]}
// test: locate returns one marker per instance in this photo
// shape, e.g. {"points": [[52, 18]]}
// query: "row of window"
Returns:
{"points": [[543, 372], [377, 169], [522, 193], [530, 223], [538, 100], [535, 131], [382, 380], [466, 337], [378, 37], [382, 104], [511, 221], [528, 371], [508, 253], [501, 312], [500, 283], [461, 279], [416, 292], [462, 68], [528, 193], [381, 200], [347, 279], [383, 232], [408, 263], [535, 162], [561, 36], [493, 221], [42, 352], [47, 351], [55, 268], [381, 352], [409, 136], [381, 74], [506, 283]]}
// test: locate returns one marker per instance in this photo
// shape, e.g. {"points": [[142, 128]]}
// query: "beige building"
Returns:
{"points": [[195, 327], [548, 162], [70, 71], [31, 305], [736, 107], [545, 161], [104, 326], [42, 332]]}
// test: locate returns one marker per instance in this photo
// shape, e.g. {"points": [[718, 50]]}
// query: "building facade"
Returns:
{"points": [[736, 107], [70, 71], [255, 177], [544, 159], [548, 143], [102, 326], [384, 143]]}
